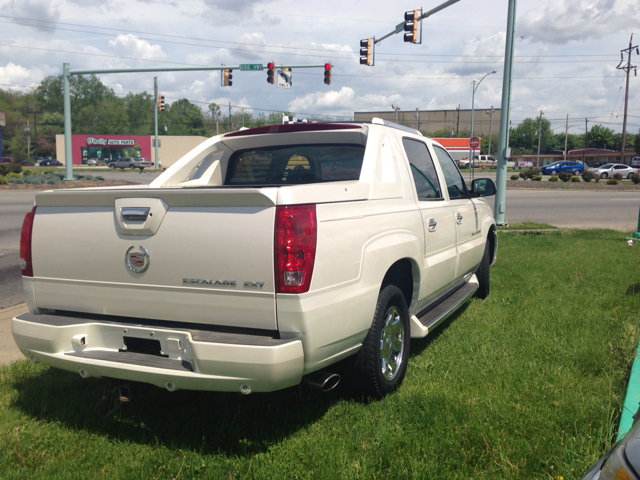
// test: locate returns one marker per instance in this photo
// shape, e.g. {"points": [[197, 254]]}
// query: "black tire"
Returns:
{"points": [[576, 172], [553, 172], [483, 273], [112, 166], [388, 338], [604, 175], [132, 166]]}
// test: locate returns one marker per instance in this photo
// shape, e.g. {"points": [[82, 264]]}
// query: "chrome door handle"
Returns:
{"points": [[432, 224], [458, 218], [134, 214]]}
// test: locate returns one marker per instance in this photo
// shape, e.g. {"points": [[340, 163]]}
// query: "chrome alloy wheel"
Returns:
{"points": [[391, 343]]}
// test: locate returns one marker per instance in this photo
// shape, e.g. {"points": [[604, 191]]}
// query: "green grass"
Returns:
{"points": [[527, 226], [526, 384]]}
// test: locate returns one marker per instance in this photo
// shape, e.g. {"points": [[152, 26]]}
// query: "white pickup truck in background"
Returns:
{"points": [[261, 258]]}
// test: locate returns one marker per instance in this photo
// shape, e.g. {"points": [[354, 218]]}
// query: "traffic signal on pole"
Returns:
{"points": [[327, 73], [365, 51], [271, 71], [411, 26], [161, 102], [226, 77]]}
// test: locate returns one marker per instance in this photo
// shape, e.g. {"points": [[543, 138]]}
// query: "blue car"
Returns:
{"points": [[573, 166]]}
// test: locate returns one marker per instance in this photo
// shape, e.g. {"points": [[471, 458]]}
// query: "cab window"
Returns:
{"points": [[455, 183], [423, 170]]}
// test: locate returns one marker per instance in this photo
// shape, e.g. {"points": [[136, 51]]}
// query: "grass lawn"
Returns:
{"points": [[526, 384]]}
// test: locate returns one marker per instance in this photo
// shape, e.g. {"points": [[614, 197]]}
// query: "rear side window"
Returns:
{"points": [[424, 173], [295, 164]]}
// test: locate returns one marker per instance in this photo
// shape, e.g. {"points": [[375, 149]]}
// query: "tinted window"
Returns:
{"points": [[295, 164], [455, 183], [423, 170]]}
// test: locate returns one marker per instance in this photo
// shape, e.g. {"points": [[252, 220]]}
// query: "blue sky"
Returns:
{"points": [[565, 58]]}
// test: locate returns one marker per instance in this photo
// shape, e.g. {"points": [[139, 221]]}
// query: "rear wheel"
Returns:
{"points": [[382, 360], [483, 273], [629, 176]]}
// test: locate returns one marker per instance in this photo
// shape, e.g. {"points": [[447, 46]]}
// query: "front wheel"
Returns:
{"points": [[553, 172], [112, 166], [604, 175], [382, 360], [576, 172], [483, 273], [132, 166]]}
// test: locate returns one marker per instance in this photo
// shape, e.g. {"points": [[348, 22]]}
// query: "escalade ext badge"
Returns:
{"points": [[137, 261]]}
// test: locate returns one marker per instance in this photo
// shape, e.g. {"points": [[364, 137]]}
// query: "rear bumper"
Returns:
{"points": [[191, 359]]}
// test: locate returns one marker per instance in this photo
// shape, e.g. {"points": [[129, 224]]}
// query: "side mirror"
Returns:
{"points": [[483, 187]]}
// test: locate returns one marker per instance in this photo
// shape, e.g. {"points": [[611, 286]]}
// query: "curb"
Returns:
{"points": [[632, 398]]}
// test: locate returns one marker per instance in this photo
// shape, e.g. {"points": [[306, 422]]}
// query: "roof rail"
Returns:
{"points": [[387, 123]]}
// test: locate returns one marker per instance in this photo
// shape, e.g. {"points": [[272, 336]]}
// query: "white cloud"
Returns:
{"points": [[132, 47], [40, 13]]}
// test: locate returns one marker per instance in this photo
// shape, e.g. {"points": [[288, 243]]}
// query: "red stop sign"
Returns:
{"points": [[474, 142]]}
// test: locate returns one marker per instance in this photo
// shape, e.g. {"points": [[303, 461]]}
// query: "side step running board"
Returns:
{"points": [[431, 318]]}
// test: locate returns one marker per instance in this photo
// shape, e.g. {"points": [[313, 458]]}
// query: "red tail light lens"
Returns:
{"points": [[25, 244], [295, 247]]}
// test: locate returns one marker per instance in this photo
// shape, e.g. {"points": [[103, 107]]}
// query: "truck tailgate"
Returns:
{"points": [[207, 259]]}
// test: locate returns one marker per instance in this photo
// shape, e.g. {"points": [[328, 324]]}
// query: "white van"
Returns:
{"points": [[635, 162]]}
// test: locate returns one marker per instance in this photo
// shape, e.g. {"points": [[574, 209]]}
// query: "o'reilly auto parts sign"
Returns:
{"points": [[111, 142]]}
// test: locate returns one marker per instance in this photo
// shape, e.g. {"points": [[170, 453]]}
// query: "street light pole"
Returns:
{"points": [[473, 95], [490, 113]]}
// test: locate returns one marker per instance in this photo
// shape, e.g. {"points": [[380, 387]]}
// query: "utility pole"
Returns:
{"points": [[396, 108], [229, 116], [35, 129], [490, 113], [458, 119], [566, 136], [417, 119], [539, 135], [155, 117], [627, 68], [28, 140]]}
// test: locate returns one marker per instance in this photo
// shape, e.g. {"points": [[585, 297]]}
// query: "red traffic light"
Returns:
{"points": [[271, 72], [327, 66], [327, 73], [270, 65]]}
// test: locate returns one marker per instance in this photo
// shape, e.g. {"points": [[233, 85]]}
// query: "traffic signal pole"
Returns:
{"points": [[155, 117], [67, 72], [503, 144]]}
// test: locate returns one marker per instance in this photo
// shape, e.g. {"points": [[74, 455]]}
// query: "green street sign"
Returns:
{"points": [[251, 66]]}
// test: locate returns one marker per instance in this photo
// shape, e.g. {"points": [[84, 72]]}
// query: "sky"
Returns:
{"points": [[566, 54]]}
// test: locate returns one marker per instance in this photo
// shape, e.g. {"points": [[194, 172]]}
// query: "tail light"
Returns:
{"points": [[295, 247], [25, 244]]}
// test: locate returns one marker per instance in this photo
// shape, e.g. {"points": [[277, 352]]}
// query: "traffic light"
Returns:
{"points": [[365, 51], [411, 26], [327, 73], [271, 71], [226, 77], [161, 102]]}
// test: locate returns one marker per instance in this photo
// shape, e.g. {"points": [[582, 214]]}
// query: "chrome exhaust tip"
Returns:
{"points": [[322, 380]]}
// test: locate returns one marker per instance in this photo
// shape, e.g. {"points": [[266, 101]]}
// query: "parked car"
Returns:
{"points": [[129, 162], [623, 460], [6, 160], [144, 161], [608, 170], [93, 162], [574, 166], [50, 162], [635, 162]]}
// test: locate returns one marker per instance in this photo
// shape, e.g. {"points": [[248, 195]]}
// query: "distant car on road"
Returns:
{"points": [[130, 162], [608, 170], [50, 162], [573, 166]]}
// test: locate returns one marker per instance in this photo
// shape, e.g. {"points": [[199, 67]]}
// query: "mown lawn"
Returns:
{"points": [[526, 384]]}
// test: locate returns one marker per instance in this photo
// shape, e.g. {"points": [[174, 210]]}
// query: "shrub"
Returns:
{"points": [[48, 170], [515, 176], [553, 179], [536, 178], [617, 176], [523, 175], [26, 172], [53, 180], [88, 177], [3, 180], [4, 169], [575, 179], [15, 167], [13, 175], [613, 181], [635, 178], [565, 176], [532, 172], [587, 176], [16, 180], [596, 177], [35, 179], [99, 178]]}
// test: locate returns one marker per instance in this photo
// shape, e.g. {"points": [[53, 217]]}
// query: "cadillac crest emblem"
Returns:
{"points": [[137, 261]]}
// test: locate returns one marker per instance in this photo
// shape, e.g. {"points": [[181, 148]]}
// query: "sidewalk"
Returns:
{"points": [[8, 350]]}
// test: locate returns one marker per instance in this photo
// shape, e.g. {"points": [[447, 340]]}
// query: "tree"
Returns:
{"points": [[184, 118], [140, 112], [602, 137], [524, 138]]}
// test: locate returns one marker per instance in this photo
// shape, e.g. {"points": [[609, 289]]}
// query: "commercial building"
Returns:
{"points": [[430, 121], [112, 147]]}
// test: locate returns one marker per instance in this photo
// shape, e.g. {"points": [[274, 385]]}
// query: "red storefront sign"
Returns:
{"points": [[111, 142]]}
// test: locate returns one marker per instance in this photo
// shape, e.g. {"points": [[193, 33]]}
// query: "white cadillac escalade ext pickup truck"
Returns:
{"points": [[261, 258]]}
